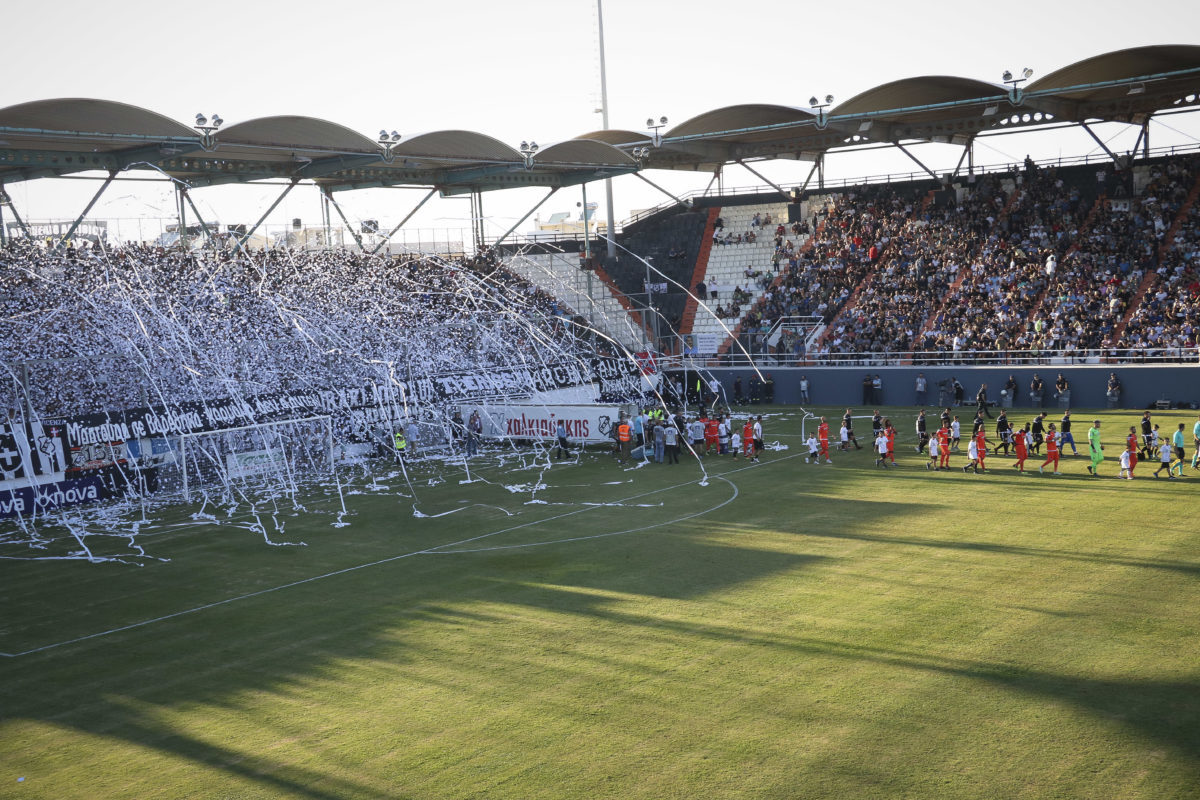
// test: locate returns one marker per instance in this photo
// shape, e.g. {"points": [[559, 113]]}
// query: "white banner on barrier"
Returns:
{"points": [[588, 423]]}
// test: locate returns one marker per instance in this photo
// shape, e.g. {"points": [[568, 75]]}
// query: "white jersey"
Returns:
{"points": [[933, 447], [881, 444], [845, 434], [1124, 459], [723, 432], [955, 430], [1165, 451], [696, 429], [757, 430], [735, 441], [813, 446], [972, 450]]}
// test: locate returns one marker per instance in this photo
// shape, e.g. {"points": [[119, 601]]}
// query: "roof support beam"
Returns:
{"points": [[764, 178], [409, 216], [966, 151], [656, 186], [5, 199], [188, 198], [246, 236], [86, 209], [811, 172], [353, 232], [1099, 141], [906, 152], [527, 215]]}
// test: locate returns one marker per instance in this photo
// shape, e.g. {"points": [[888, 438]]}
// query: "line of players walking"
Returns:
{"points": [[659, 436], [1024, 442]]}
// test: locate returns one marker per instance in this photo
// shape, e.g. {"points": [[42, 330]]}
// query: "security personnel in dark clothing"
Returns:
{"points": [[981, 401]]}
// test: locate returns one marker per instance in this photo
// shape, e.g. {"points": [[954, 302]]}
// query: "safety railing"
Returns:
{"points": [[757, 353], [836, 184]]}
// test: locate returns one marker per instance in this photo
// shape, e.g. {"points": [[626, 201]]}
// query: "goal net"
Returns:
{"points": [[270, 456]]}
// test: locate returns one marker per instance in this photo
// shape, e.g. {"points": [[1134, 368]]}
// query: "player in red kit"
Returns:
{"points": [[981, 446], [748, 439], [943, 437], [712, 435], [823, 438], [1021, 444], [1132, 445], [1051, 450], [890, 432]]}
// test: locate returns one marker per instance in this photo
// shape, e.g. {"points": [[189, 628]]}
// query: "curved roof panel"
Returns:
{"points": [[926, 90], [456, 146], [85, 115], [296, 133], [584, 151], [616, 137], [1118, 65], [78, 124], [732, 118]]}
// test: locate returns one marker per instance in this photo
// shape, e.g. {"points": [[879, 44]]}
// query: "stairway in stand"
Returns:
{"points": [[775, 284], [691, 305], [607, 280], [1148, 278]]}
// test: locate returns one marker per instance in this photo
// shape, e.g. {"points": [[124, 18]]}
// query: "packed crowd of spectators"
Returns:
{"points": [[1032, 260], [849, 236], [1169, 316], [94, 330], [928, 253]]}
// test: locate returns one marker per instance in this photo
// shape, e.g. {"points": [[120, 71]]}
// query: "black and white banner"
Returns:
{"points": [[52, 453]]}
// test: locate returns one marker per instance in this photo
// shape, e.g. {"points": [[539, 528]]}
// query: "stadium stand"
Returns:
{"points": [[743, 261], [141, 323]]}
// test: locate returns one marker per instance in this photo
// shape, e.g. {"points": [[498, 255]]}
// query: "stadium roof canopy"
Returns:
{"points": [[64, 136]]}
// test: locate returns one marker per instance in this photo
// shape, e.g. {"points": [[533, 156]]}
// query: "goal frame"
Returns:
{"points": [[325, 419]]}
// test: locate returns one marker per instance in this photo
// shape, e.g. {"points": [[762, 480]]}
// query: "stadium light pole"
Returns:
{"points": [[208, 130], [822, 117], [388, 142], [656, 136], [612, 224], [1014, 84]]}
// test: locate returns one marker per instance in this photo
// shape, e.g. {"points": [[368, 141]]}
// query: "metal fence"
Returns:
{"points": [[756, 353]]}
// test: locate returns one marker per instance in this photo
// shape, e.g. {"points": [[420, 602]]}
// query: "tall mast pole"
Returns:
{"points": [[612, 223]]}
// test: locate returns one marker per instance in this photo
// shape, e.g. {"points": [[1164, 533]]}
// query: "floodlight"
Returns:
{"points": [[650, 122], [395, 136], [828, 98], [1007, 76], [216, 121], [201, 119], [662, 121], [812, 101], [1027, 72]]}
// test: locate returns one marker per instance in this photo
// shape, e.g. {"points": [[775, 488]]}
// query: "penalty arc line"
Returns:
{"points": [[230, 600]]}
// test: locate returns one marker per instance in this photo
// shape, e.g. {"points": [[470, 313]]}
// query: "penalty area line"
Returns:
{"points": [[346, 570]]}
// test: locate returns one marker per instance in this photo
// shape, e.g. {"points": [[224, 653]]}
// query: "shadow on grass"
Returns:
{"points": [[116, 687], [1163, 711], [1188, 568], [120, 687]]}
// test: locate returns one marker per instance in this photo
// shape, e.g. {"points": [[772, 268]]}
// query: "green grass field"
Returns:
{"points": [[780, 630]]}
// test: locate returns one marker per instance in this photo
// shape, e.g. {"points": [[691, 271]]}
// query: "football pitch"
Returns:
{"points": [[597, 630]]}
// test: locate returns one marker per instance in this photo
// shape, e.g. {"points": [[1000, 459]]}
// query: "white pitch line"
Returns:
{"points": [[734, 496], [431, 551]]}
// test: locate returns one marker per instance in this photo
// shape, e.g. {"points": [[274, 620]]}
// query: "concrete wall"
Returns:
{"points": [[842, 386]]}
